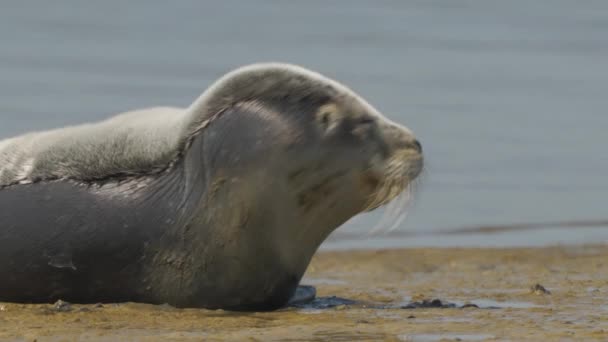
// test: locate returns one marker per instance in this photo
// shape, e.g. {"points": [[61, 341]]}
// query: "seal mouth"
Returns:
{"points": [[391, 179]]}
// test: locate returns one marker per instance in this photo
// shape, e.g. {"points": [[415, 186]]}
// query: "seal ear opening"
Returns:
{"points": [[328, 118]]}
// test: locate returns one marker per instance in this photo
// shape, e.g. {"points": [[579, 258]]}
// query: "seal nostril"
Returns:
{"points": [[417, 145]]}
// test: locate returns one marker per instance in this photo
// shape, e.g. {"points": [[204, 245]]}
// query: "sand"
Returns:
{"points": [[569, 303]]}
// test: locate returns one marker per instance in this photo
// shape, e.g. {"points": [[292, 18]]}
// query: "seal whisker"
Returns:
{"points": [[396, 208], [394, 190], [385, 192], [386, 214], [402, 208]]}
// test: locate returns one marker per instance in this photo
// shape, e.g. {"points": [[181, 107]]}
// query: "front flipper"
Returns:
{"points": [[304, 294]]}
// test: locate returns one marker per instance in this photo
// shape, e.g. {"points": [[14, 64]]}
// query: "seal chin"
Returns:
{"points": [[390, 178], [414, 167]]}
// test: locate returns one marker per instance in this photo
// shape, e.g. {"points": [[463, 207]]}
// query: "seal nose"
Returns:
{"points": [[402, 138], [411, 144], [416, 145]]}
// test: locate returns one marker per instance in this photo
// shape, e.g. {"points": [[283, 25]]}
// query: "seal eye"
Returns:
{"points": [[363, 126], [366, 121]]}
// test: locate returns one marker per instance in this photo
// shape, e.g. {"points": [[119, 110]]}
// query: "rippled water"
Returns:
{"points": [[508, 97]]}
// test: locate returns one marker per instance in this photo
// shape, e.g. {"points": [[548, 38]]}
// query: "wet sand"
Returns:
{"points": [[485, 294]]}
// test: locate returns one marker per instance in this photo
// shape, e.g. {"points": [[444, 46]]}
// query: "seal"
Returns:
{"points": [[218, 205]]}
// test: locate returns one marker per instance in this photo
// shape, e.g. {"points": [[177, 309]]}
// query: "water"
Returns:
{"points": [[509, 98]]}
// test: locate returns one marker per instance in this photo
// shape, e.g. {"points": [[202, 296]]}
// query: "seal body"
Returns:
{"points": [[219, 205]]}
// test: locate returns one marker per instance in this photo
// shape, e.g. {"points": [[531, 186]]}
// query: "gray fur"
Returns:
{"points": [[133, 142], [149, 140]]}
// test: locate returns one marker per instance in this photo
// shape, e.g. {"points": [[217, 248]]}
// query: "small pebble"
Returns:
{"points": [[62, 306], [538, 289]]}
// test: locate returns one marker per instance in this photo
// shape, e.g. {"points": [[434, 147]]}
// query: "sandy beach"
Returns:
{"points": [[507, 97], [459, 294]]}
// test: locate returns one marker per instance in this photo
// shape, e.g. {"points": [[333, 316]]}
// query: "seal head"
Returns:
{"points": [[295, 154]]}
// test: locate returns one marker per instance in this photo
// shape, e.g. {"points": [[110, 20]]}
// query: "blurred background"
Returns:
{"points": [[509, 98]]}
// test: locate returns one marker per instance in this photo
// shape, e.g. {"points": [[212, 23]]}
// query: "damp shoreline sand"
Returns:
{"points": [[496, 283]]}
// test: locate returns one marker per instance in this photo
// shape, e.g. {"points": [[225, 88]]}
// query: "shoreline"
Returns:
{"points": [[543, 236], [497, 283]]}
